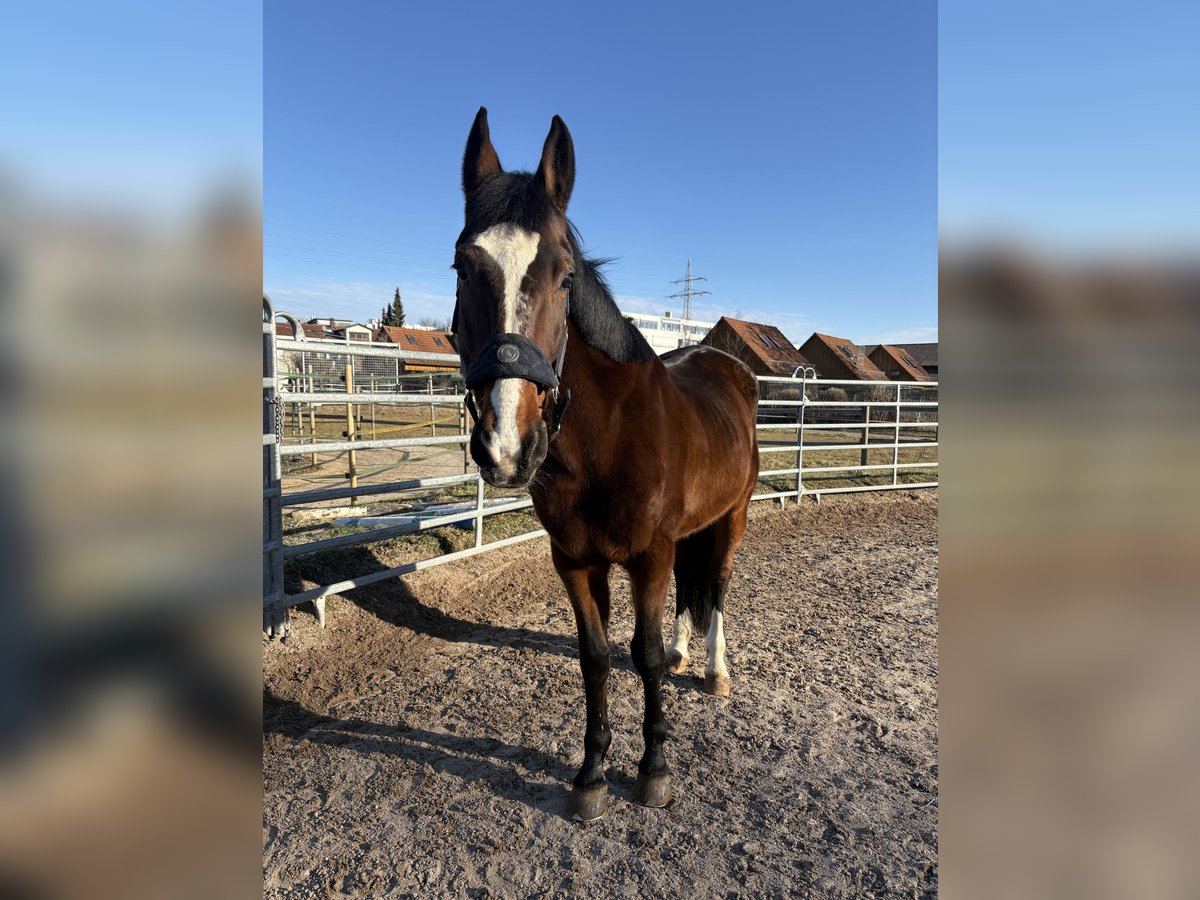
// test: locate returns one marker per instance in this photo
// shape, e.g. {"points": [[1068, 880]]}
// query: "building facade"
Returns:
{"points": [[666, 332]]}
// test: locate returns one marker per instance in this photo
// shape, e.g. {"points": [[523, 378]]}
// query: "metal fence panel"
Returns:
{"points": [[816, 437]]}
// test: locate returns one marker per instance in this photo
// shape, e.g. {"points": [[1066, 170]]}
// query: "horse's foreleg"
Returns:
{"points": [[649, 577], [588, 589]]}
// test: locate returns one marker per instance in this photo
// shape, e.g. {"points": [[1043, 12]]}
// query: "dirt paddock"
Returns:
{"points": [[423, 744]]}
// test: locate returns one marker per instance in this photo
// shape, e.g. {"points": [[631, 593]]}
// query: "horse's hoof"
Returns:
{"points": [[717, 685], [652, 790], [588, 803], [676, 664]]}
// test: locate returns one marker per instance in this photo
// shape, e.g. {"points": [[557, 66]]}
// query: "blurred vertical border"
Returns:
{"points": [[1069, 318], [130, 275]]}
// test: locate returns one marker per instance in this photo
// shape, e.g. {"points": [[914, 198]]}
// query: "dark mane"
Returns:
{"points": [[515, 197], [595, 313], [507, 197]]}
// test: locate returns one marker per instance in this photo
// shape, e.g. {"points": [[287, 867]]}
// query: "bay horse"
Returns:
{"points": [[652, 466]]}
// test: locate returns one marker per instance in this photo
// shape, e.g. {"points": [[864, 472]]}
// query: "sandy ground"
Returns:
{"points": [[423, 744]]}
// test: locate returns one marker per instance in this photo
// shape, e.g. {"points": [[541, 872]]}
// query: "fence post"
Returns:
{"points": [[800, 438], [432, 418], [352, 457], [312, 421], [275, 614], [896, 442], [462, 429], [479, 511], [866, 434], [802, 371]]}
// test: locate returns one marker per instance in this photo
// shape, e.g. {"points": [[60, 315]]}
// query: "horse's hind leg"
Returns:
{"points": [[728, 535], [693, 594], [587, 586], [677, 652], [649, 576]]}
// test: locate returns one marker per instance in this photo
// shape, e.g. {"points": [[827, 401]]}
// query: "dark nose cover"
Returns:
{"points": [[511, 356]]}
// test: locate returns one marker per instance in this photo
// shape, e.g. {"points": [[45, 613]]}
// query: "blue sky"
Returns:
{"points": [[131, 105], [1071, 125], [796, 155], [789, 150]]}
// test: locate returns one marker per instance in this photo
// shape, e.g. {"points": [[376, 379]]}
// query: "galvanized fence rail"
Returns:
{"points": [[888, 417], [802, 420]]}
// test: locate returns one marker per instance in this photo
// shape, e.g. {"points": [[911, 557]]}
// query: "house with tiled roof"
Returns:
{"points": [[924, 355], [897, 364], [423, 340], [764, 348], [311, 332], [840, 359]]}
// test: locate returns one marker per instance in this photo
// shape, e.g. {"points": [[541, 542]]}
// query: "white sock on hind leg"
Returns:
{"points": [[716, 646], [681, 636]]}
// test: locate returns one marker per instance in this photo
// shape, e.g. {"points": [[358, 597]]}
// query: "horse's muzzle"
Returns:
{"points": [[514, 471]]}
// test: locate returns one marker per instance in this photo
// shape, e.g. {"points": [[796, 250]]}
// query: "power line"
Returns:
{"points": [[688, 293]]}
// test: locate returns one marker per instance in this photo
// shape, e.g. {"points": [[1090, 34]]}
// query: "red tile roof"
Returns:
{"points": [[923, 354], [888, 359], [768, 344], [415, 339], [851, 356]]}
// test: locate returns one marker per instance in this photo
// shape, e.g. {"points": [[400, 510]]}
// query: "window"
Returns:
{"points": [[412, 340], [766, 343], [438, 341]]}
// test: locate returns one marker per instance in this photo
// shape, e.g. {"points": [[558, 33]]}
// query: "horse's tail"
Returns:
{"points": [[695, 577]]}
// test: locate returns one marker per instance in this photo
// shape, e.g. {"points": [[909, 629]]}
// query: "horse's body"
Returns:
{"points": [[655, 461], [655, 451]]}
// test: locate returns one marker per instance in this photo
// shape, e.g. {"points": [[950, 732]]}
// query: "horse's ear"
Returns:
{"points": [[480, 159], [557, 169]]}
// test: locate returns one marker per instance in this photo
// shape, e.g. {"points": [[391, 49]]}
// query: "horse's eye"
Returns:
{"points": [[462, 267], [567, 281]]}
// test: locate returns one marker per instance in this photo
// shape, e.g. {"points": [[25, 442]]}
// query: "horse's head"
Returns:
{"points": [[515, 262]]}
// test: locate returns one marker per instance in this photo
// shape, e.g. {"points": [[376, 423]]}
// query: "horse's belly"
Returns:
{"points": [[600, 528]]}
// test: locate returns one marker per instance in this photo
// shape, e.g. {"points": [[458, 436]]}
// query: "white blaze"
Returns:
{"points": [[513, 249]]}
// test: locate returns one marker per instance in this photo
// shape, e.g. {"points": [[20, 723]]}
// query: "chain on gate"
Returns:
{"points": [[277, 401]]}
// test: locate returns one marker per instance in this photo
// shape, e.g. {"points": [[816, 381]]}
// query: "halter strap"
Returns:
{"points": [[561, 402], [513, 355]]}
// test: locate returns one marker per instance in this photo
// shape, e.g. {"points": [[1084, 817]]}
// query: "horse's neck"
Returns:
{"points": [[601, 389]]}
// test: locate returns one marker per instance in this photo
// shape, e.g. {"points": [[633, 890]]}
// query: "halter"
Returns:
{"points": [[514, 355]]}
